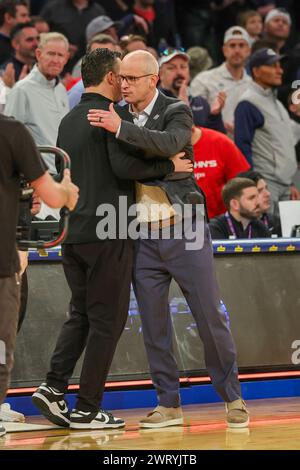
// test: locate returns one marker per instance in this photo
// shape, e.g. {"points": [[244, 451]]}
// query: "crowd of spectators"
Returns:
{"points": [[236, 63]]}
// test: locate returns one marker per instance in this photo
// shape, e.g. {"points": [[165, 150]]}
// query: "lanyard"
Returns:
{"points": [[265, 221], [232, 229]]}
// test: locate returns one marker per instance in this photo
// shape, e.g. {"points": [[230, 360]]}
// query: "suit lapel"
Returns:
{"points": [[123, 112], [156, 112]]}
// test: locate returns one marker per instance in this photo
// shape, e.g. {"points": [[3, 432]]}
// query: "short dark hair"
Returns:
{"points": [[234, 189], [262, 44], [96, 64], [251, 175], [10, 6], [19, 28]]}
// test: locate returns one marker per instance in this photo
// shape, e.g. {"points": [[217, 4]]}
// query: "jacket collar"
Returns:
{"points": [[41, 79], [262, 91], [147, 111], [226, 74], [156, 111], [91, 96]]}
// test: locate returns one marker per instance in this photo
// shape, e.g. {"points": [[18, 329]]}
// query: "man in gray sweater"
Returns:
{"points": [[40, 101], [263, 129]]}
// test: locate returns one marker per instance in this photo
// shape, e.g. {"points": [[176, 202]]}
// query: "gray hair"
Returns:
{"points": [[47, 37]]}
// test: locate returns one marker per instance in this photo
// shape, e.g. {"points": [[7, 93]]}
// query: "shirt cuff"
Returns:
{"points": [[118, 131]]}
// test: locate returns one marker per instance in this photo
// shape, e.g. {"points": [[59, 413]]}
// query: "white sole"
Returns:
{"points": [[238, 425], [95, 426], [171, 422], [50, 410], [12, 417]]}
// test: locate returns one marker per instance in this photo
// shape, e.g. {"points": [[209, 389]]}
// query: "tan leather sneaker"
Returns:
{"points": [[237, 414], [162, 417]]}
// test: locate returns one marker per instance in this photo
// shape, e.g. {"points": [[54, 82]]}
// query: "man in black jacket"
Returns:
{"points": [[241, 198], [271, 221], [98, 268], [12, 12], [161, 126]]}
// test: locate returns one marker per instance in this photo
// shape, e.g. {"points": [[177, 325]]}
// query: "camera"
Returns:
{"points": [[24, 222], [25, 225]]}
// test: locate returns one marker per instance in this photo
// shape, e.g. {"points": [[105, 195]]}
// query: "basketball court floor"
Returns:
{"points": [[275, 425]]}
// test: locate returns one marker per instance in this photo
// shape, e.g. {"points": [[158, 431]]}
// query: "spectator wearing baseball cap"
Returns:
{"points": [[174, 75], [277, 27], [102, 24], [263, 129], [116, 29], [230, 77]]}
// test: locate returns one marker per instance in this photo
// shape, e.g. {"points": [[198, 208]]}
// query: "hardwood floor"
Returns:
{"points": [[275, 425]]}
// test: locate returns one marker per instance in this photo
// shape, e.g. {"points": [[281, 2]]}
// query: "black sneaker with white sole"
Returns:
{"points": [[52, 405], [94, 420]]}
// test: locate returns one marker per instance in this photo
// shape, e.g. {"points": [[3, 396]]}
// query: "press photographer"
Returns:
{"points": [[19, 156]]}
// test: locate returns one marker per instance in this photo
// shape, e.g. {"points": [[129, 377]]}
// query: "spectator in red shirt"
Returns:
{"points": [[217, 160]]}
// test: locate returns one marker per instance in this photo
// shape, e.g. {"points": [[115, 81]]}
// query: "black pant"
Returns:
{"points": [[24, 299], [99, 276]]}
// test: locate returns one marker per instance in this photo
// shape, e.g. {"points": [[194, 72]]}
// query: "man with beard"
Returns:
{"points": [[240, 196], [12, 12], [24, 39], [271, 221], [174, 73]]}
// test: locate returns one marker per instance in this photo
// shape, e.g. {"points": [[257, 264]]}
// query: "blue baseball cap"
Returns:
{"points": [[264, 56]]}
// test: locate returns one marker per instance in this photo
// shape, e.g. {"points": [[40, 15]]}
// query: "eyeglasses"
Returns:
{"points": [[131, 79]]}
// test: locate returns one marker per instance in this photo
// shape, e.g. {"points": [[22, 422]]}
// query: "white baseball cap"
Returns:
{"points": [[237, 32], [278, 12], [170, 54]]}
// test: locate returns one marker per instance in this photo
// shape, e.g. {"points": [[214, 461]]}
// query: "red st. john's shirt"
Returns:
{"points": [[217, 160]]}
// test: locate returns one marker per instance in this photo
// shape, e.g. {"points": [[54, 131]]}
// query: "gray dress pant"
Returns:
{"points": [[156, 263]]}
